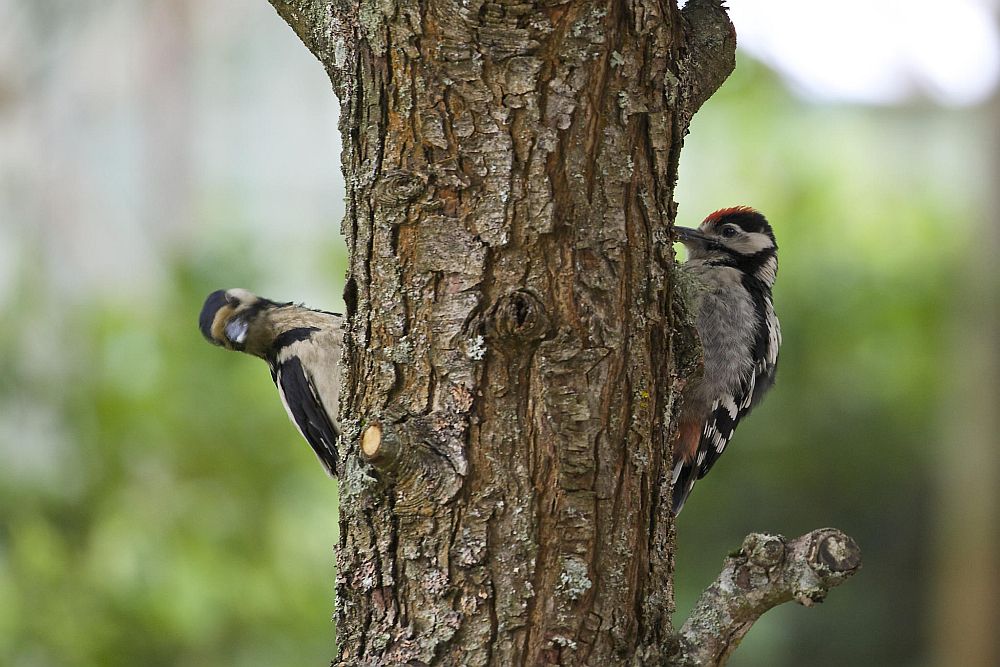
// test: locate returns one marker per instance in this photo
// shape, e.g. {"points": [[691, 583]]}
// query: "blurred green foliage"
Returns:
{"points": [[171, 515], [157, 507]]}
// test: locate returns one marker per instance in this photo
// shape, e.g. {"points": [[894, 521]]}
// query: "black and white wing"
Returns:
{"points": [[305, 406], [729, 409]]}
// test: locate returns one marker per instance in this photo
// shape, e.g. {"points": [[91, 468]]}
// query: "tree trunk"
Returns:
{"points": [[512, 354]]}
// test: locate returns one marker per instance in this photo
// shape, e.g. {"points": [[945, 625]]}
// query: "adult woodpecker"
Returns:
{"points": [[731, 267], [301, 347]]}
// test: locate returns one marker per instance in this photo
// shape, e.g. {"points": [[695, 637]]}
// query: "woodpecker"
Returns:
{"points": [[301, 347], [731, 267]]}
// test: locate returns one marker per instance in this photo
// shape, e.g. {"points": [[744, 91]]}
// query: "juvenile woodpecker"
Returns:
{"points": [[301, 347], [732, 262]]}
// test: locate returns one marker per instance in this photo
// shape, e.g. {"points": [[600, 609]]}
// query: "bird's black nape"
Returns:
{"points": [[215, 300]]}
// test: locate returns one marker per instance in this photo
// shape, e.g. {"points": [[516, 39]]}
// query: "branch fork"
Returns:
{"points": [[768, 570]]}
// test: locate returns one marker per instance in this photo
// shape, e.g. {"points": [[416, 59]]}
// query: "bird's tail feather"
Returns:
{"points": [[685, 475]]}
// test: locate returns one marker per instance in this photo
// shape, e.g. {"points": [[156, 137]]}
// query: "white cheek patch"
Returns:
{"points": [[755, 242], [236, 330]]}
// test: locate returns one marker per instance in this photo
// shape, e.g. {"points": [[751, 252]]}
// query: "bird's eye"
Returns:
{"points": [[728, 232]]}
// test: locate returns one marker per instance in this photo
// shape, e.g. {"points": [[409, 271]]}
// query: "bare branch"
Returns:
{"points": [[711, 51], [767, 571], [328, 30]]}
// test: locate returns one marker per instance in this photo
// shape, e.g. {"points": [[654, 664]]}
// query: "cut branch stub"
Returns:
{"points": [[406, 457], [833, 557], [835, 551], [375, 450], [764, 550]]}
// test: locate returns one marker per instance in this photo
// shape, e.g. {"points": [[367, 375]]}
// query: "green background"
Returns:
{"points": [[156, 506]]}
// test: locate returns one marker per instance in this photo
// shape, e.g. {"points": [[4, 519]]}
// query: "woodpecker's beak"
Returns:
{"points": [[693, 238]]}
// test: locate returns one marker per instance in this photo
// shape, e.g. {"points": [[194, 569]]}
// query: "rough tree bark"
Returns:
{"points": [[514, 350]]}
